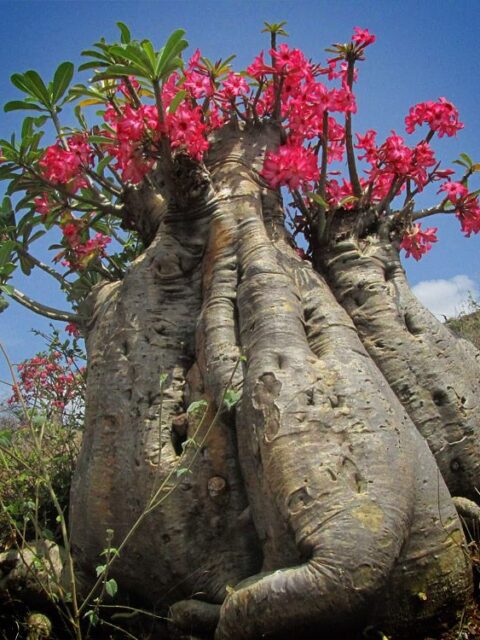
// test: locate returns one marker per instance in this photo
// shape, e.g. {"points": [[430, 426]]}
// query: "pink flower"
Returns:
{"points": [[363, 37], [342, 100], [468, 213], [454, 190], [367, 143], [258, 69], [287, 60], [187, 130], [235, 85], [396, 155], [416, 242], [42, 205], [194, 60], [67, 165], [198, 84], [292, 166], [73, 329]]}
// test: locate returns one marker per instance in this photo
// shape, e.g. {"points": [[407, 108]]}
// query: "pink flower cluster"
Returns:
{"points": [[292, 166], [131, 126], [45, 379], [42, 205], [73, 329], [392, 161], [65, 163], [80, 251], [187, 130], [416, 242], [467, 206], [440, 116], [362, 37]]}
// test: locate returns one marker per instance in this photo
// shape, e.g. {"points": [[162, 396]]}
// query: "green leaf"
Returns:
{"points": [[7, 288], [347, 200], [182, 471], [176, 101], [133, 54], [7, 171], [111, 587], [231, 398], [6, 438], [19, 81], [99, 569], [37, 87], [27, 128], [173, 47], [100, 140], [4, 304], [6, 249], [92, 616], [468, 161], [125, 36], [62, 78], [39, 121], [16, 105], [93, 65], [150, 52], [80, 117], [96, 54], [120, 70], [6, 206], [198, 407], [317, 198], [36, 235]]}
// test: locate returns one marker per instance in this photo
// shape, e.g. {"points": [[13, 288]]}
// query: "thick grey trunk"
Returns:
{"points": [[351, 515], [141, 328], [310, 426], [435, 375]]}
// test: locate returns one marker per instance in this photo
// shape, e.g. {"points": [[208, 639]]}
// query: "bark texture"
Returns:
{"points": [[315, 506], [435, 374], [142, 328]]}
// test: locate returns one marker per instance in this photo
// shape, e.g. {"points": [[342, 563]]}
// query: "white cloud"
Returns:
{"points": [[447, 297]]}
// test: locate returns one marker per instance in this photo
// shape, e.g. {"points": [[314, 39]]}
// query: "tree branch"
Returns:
{"points": [[42, 310], [41, 265], [425, 213]]}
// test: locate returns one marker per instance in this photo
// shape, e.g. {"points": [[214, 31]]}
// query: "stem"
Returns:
{"points": [[394, 187], [132, 91], [324, 165], [58, 128], [352, 167], [256, 99], [425, 213], [43, 310], [104, 183], [164, 143]]}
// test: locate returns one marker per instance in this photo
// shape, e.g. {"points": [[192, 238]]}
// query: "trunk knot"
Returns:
{"points": [[217, 487]]}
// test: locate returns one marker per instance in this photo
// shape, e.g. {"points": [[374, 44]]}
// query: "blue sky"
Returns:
{"points": [[424, 50]]}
